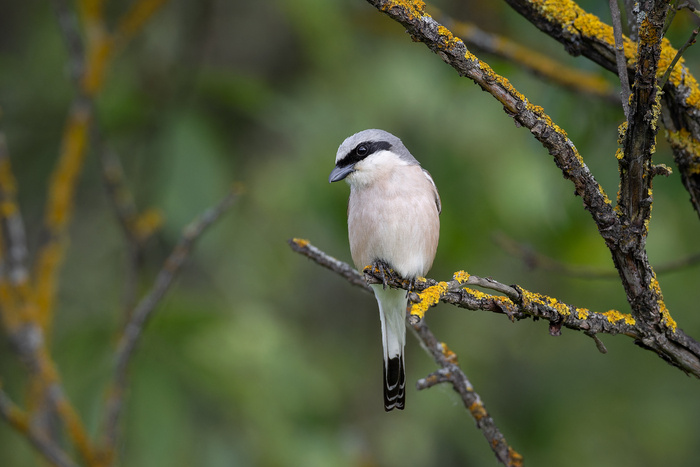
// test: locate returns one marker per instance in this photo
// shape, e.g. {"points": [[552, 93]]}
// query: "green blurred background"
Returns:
{"points": [[257, 356]]}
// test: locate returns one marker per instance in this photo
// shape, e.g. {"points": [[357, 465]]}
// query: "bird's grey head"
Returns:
{"points": [[364, 144]]}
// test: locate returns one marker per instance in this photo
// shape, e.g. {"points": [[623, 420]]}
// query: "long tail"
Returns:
{"points": [[392, 313]]}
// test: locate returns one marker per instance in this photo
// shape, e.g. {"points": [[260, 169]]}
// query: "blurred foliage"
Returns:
{"points": [[259, 357]]}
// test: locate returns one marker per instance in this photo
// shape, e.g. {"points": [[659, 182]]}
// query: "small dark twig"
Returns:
{"points": [[12, 224], [68, 22], [19, 420], [688, 43], [620, 57]]}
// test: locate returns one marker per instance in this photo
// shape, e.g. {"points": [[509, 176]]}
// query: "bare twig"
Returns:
{"points": [[620, 57], [688, 43], [13, 234], [345, 270], [582, 33], [145, 308], [68, 22], [19, 420]]}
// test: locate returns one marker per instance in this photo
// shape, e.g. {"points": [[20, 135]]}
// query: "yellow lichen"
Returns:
{"points": [[477, 410], [577, 21], [429, 297], [478, 294], [148, 222], [461, 276], [648, 33], [414, 8], [301, 242], [683, 140], [448, 353], [545, 300], [582, 313], [614, 316], [449, 39], [621, 132], [666, 318]]}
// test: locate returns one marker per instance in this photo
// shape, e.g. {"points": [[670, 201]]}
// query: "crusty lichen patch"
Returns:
{"points": [[414, 8], [429, 297]]}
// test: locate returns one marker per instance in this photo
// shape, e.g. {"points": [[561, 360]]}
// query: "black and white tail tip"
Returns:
{"points": [[394, 384]]}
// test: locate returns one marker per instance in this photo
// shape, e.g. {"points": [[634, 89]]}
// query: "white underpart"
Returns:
{"points": [[392, 214]]}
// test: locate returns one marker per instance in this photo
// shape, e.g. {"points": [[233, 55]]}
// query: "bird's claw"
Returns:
{"points": [[384, 270]]}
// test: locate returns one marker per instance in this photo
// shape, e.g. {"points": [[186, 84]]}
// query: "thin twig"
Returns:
{"points": [[620, 57], [688, 43], [345, 270], [19, 420], [451, 372], [68, 22], [145, 308], [13, 232]]}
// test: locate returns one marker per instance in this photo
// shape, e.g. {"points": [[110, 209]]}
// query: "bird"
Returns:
{"points": [[393, 223]]}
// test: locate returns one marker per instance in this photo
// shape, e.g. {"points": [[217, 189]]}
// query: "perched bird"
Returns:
{"points": [[393, 222]]}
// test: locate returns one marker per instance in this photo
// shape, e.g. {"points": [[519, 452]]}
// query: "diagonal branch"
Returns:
{"points": [[452, 51], [145, 309], [19, 420], [582, 33], [576, 80], [450, 372]]}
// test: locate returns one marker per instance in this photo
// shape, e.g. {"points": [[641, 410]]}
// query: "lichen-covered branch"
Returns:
{"points": [[449, 372], [582, 33], [580, 81], [19, 420], [451, 49], [677, 348], [655, 327]]}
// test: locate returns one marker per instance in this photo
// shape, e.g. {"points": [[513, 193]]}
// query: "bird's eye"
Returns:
{"points": [[362, 150]]}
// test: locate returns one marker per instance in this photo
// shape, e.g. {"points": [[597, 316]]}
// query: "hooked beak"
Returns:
{"points": [[339, 173]]}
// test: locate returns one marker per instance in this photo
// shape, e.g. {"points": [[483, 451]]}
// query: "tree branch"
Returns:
{"points": [[19, 420], [446, 359], [539, 64], [143, 311], [582, 33], [655, 326], [677, 348], [450, 372]]}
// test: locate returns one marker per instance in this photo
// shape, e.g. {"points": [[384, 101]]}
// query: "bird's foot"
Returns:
{"points": [[411, 285], [384, 271]]}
